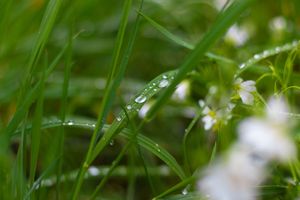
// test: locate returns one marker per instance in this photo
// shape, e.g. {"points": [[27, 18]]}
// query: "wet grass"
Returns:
{"points": [[87, 104]]}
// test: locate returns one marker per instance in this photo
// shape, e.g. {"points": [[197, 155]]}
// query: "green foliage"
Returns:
{"points": [[100, 99]]}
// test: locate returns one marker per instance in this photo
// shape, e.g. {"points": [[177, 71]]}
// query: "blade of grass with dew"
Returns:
{"points": [[118, 159], [188, 196], [142, 140], [112, 84], [36, 129], [265, 54], [223, 22], [181, 42], [135, 104], [178, 186]]}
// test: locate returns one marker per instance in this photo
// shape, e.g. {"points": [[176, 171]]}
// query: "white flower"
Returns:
{"points": [[237, 35], [278, 24], [182, 91], [233, 178], [269, 136], [209, 118], [212, 117], [245, 90]]}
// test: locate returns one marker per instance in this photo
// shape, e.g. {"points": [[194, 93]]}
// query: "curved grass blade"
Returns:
{"points": [[223, 22], [142, 140], [178, 186], [267, 53]]}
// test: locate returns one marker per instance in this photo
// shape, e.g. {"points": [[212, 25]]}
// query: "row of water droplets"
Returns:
{"points": [[268, 53], [149, 91]]}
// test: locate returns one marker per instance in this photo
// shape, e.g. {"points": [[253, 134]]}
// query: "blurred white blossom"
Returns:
{"points": [[145, 108], [237, 35], [278, 24], [209, 118], [213, 117], [182, 91], [260, 140], [269, 135], [235, 177], [219, 4], [245, 90]]}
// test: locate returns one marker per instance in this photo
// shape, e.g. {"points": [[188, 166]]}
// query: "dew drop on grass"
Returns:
{"points": [[184, 192], [128, 107], [140, 99], [163, 83], [118, 119], [164, 77], [256, 56], [70, 123]]}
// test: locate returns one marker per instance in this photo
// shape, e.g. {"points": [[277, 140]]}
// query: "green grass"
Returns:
{"points": [[75, 77]]}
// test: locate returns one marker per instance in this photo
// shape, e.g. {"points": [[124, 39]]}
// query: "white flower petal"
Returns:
{"points": [[206, 110], [208, 122], [248, 86], [234, 178], [247, 97], [266, 139], [277, 110]]}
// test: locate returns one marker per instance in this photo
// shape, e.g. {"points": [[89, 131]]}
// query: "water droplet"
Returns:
{"points": [[154, 84], [155, 89], [184, 192], [128, 107], [164, 77], [242, 65], [111, 143], [70, 123], [118, 119], [93, 125], [158, 149], [163, 83], [256, 56], [140, 99], [265, 53]]}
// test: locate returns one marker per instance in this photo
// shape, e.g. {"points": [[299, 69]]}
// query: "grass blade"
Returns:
{"points": [[113, 82], [36, 130]]}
